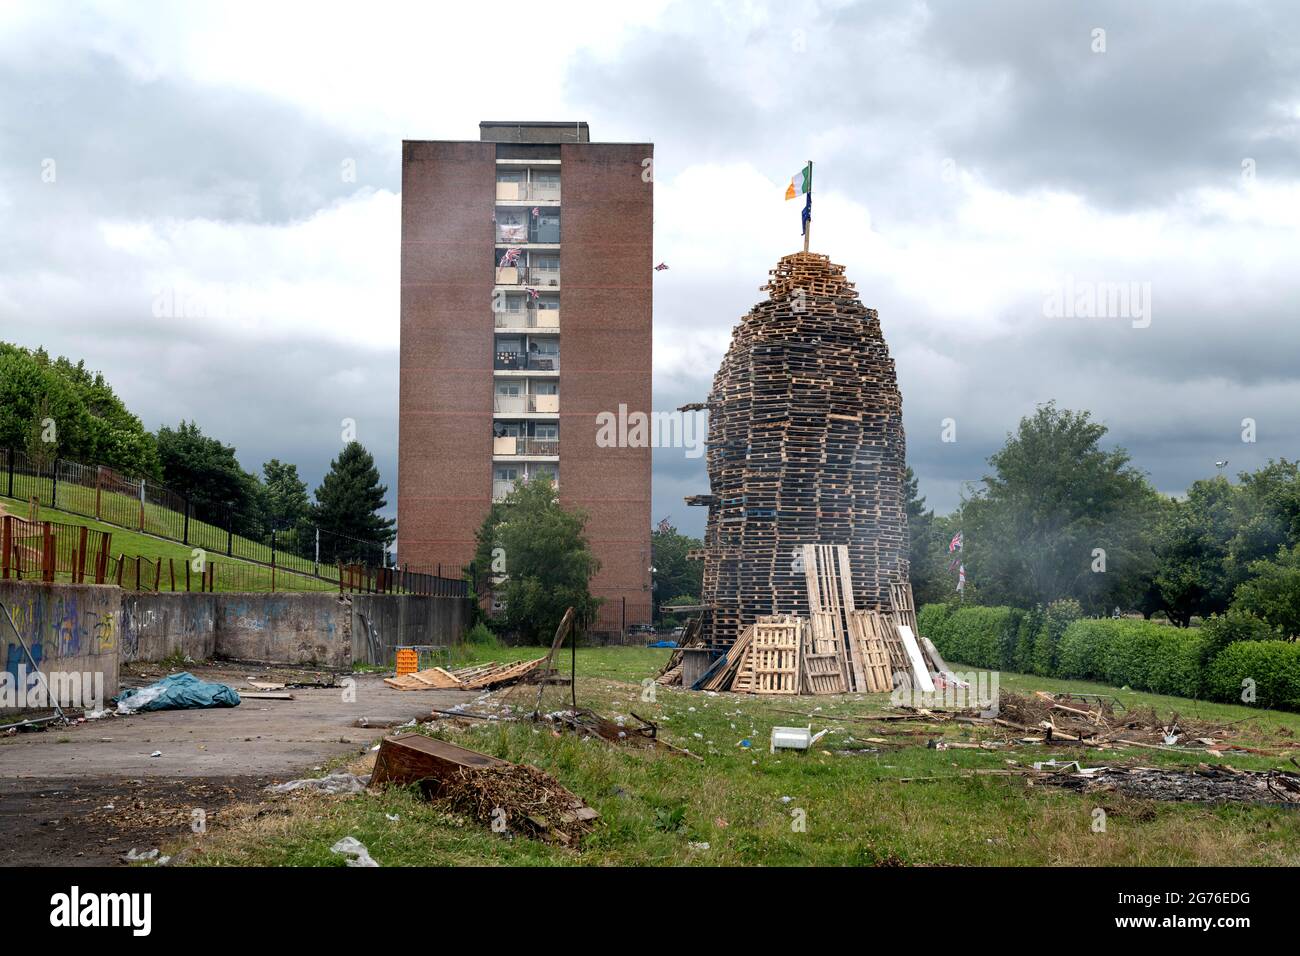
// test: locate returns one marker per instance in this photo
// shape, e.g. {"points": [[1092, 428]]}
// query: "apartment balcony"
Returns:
{"points": [[523, 276], [544, 320], [543, 230], [501, 488], [517, 446], [527, 362], [526, 404], [525, 192]]}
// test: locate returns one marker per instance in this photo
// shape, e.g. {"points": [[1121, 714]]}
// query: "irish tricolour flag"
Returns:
{"points": [[801, 183]]}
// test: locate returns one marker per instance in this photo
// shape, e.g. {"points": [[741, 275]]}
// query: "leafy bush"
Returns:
{"points": [[1273, 666], [1026, 634], [974, 636], [1137, 654], [481, 636], [1231, 628], [1058, 616], [1081, 650]]}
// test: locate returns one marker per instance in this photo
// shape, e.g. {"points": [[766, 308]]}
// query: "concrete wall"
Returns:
{"points": [[155, 626], [309, 628], [71, 629], [380, 623]]}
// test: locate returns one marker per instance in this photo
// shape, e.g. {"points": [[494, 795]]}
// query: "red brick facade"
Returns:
{"points": [[445, 427]]}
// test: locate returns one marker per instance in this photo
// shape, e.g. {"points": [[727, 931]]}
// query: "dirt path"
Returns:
{"points": [[87, 793]]}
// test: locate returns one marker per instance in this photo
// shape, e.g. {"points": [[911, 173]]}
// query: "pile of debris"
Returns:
{"points": [[835, 649], [475, 677], [507, 797], [519, 797], [1207, 783], [1093, 720]]}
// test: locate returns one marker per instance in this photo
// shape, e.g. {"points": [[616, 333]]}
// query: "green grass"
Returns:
{"points": [[858, 809], [239, 575]]}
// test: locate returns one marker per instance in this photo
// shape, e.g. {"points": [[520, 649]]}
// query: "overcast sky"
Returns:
{"points": [[973, 161]]}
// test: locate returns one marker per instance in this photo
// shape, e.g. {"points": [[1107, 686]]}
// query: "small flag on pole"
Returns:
{"points": [[661, 267], [961, 578], [800, 183], [956, 542], [807, 214]]}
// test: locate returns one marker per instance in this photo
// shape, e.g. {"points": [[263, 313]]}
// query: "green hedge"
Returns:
{"points": [[1274, 666], [1142, 655], [1056, 643]]}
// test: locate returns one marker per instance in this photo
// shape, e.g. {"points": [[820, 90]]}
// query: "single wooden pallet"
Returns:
{"points": [[435, 678], [865, 635]]}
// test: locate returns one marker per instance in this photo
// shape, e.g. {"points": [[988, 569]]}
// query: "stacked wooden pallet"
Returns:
{"points": [[805, 447], [476, 677]]}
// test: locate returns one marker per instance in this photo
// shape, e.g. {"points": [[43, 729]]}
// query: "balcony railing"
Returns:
{"points": [[527, 361], [527, 276], [529, 319], [542, 404], [502, 487], [511, 233], [518, 192], [518, 445]]}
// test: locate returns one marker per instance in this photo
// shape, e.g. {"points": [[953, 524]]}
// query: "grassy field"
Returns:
{"points": [[851, 793], [120, 511], [232, 574]]}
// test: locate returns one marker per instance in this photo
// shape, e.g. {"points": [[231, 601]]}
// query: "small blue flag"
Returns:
{"points": [[807, 215]]}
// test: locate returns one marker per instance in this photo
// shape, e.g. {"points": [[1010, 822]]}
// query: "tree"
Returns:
{"points": [[286, 509], [207, 473], [285, 501], [1192, 574], [1272, 593], [348, 503], [675, 575], [90, 424], [534, 556], [1060, 517]]}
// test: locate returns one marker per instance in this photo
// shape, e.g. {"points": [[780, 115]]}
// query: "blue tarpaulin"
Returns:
{"points": [[663, 644], [177, 692]]}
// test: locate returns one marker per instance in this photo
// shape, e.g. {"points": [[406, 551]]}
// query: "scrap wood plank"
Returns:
{"points": [[920, 673], [506, 672]]}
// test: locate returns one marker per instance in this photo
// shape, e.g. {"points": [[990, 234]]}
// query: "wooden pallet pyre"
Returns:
{"points": [[805, 447]]}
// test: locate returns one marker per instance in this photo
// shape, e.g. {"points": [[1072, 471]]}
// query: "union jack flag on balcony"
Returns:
{"points": [[510, 257], [536, 212], [532, 293]]}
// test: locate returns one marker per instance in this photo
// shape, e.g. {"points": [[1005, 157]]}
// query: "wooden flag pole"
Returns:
{"points": [[808, 228]]}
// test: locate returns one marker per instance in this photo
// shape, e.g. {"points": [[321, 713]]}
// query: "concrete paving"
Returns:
{"points": [[54, 783]]}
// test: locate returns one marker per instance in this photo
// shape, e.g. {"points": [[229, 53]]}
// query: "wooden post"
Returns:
{"points": [[157, 574], [7, 536], [171, 570], [50, 556], [121, 563], [80, 564], [137, 572], [101, 569], [187, 576]]}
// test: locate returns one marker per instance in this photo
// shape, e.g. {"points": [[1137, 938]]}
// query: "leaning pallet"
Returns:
{"points": [[867, 638], [830, 597], [823, 656], [774, 651]]}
